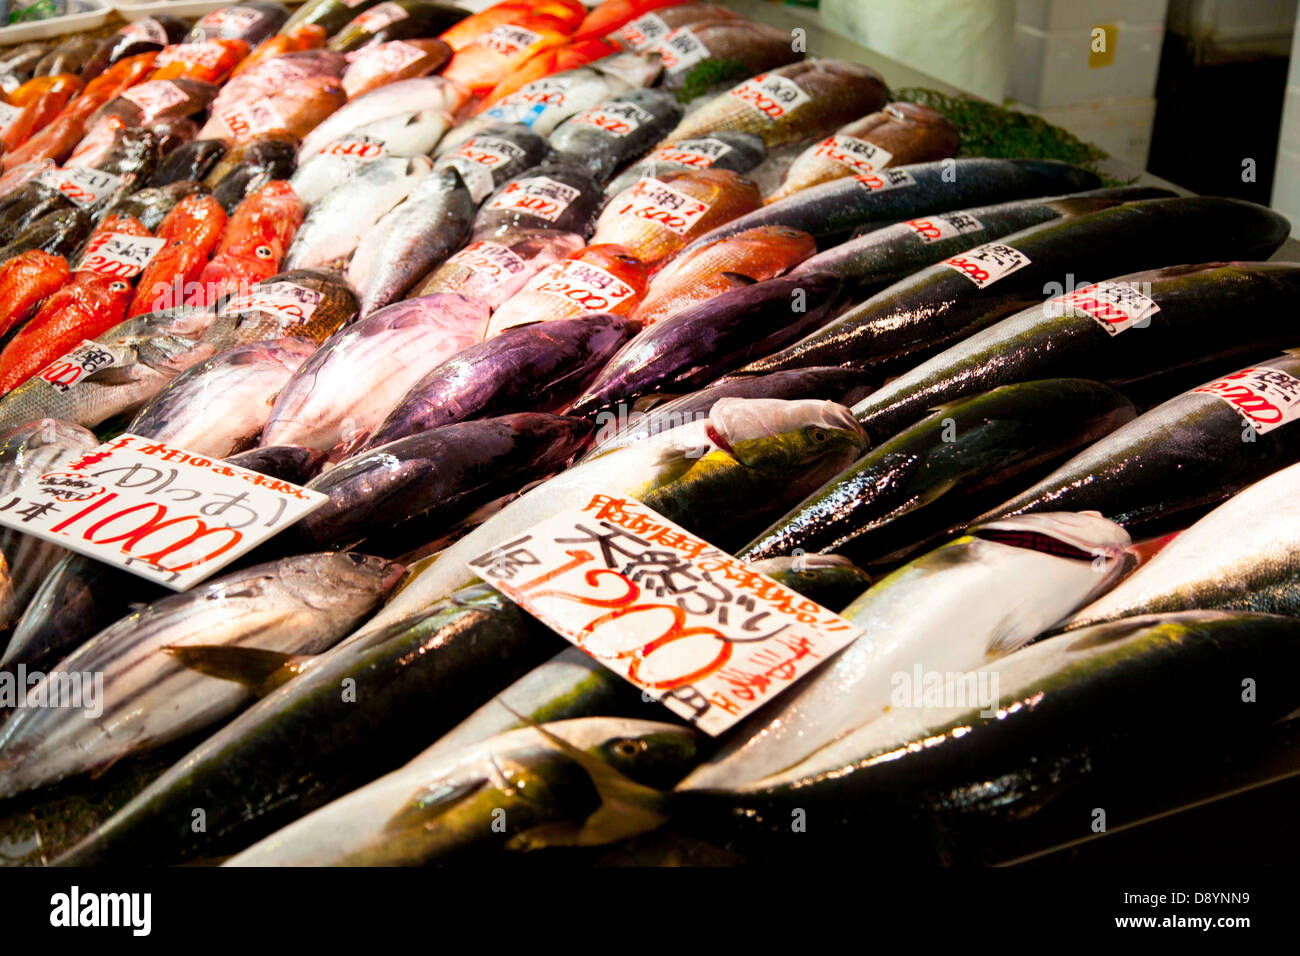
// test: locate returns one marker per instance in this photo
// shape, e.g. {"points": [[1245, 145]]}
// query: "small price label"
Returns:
{"points": [[853, 153], [944, 227], [692, 152], [773, 96], [1267, 398], [249, 119], [658, 202], [67, 370], [378, 17], [537, 195], [617, 118], [119, 255], [589, 287], [147, 30], [394, 55], [643, 32], [986, 264], [291, 303], [886, 179], [153, 98], [84, 185], [490, 261], [364, 149], [700, 631], [681, 50], [233, 19], [201, 54], [476, 159], [508, 39], [1115, 306]]}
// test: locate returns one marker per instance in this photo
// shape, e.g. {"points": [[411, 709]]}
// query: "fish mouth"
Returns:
{"points": [[392, 575], [1083, 536], [720, 440]]}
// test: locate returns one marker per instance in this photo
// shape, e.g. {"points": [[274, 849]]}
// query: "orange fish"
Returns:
{"points": [[87, 307], [254, 242], [210, 61], [38, 86], [374, 66], [56, 142], [496, 53], [296, 109], [719, 266], [45, 98], [567, 57], [653, 218], [306, 36], [25, 281], [604, 19], [566, 14], [119, 77], [599, 278], [122, 225], [191, 229]]}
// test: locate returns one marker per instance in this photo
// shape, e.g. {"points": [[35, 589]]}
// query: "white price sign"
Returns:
{"points": [[292, 303], [160, 512], [588, 286], [773, 96], [658, 202], [538, 195], [986, 264], [696, 629], [643, 32], [508, 39], [1267, 398], [886, 179], [857, 154], [681, 50], [617, 118], [944, 227], [692, 152], [1115, 306], [84, 185], [119, 255], [86, 359]]}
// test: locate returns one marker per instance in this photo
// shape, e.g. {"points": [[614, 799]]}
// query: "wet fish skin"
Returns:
{"points": [[25, 281], [152, 204], [725, 149], [494, 156], [633, 122], [337, 306], [918, 316], [529, 253], [577, 216], [292, 463], [1185, 339], [402, 97], [422, 19], [58, 233], [537, 366], [899, 496], [422, 485], [250, 166], [732, 51], [192, 161], [252, 30]]}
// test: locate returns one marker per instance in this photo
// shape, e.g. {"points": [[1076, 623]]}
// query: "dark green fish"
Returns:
{"points": [[58, 233], [422, 19], [193, 160]]}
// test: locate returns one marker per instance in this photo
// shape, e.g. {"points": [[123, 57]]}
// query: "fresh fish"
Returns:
{"points": [[532, 367], [557, 196], [689, 350], [250, 166], [379, 64], [401, 98], [68, 57], [605, 138], [905, 492], [979, 597], [657, 217], [304, 39], [332, 15], [901, 134], [497, 53], [491, 271], [411, 239], [147, 35], [337, 223], [28, 203], [220, 406], [1239, 557], [211, 61], [1116, 338], [306, 742], [344, 391], [293, 106], [192, 161], [25, 282], [254, 80], [192, 230], [737, 152], [291, 463], [557, 59], [494, 157], [251, 21], [299, 605], [720, 479], [919, 316], [648, 23], [567, 14], [296, 303], [720, 266], [37, 446], [395, 20], [21, 60], [150, 206], [426, 483], [57, 233], [808, 99], [254, 243], [707, 57], [146, 102], [443, 811], [597, 278]]}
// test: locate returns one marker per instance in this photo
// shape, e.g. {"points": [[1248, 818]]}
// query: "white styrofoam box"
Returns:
{"points": [[1121, 127], [1049, 15], [1286, 187], [1051, 69], [81, 15]]}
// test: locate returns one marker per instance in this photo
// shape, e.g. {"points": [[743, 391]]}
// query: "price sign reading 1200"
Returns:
{"points": [[695, 628]]}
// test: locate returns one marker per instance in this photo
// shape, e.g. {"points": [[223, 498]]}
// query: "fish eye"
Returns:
{"points": [[818, 435], [119, 286], [263, 252], [355, 558], [627, 747]]}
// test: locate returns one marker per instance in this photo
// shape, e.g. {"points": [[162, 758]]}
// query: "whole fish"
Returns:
{"points": [[919, 316], [192, 230], [442, 810], [1182, 457], [400, 98], [656, 217], [395, 20], [379, 64], [494, 54], [305, 742], [150, 206], [1108, 334], [28, 203], [332, 15], [532, 367], [811, 98], [979, 597], [211, 61], [648, 23], [606, 137], [21, 60], [720, 266], [37, 446], [144, 103], [412, 238], [901, 134], [694, 347], [840, 385], [726, 149], [906, 491], [251, 21], [54, 143], [147, 35], [344, 391], [303, 39], [297, 303], [25, 282], [566, 14], [250, 166], [220, 406], [58, 233], [302, 604], [597, 278], [1239, 557], [568, 56], [291, 463], [254, 80], [88, 305], [424, 484], [720, 479], [558, 196], [293, 106], [68, 57], [491, 271], [337, 223], [494, 157], [253, 244], [192, 161], [702, 58]]}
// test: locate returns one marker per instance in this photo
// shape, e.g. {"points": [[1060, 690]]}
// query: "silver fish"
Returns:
{"points": [[394, 99]]}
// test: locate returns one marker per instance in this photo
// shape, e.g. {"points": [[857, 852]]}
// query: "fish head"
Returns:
{"points": [[339, 579], [810, 438], [656, 755], [1084, 535]]}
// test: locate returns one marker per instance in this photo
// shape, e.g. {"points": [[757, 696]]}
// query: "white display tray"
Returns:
{"points": [[85, 15]]}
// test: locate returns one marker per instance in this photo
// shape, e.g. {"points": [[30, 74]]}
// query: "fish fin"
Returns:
{"points": [[258, 670], [738, 280], [1013, 632], [114, 376], [426, 805]]}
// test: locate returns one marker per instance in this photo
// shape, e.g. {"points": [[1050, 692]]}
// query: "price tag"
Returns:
{"points": [[696, 629], [681, 50], [201, 54], [1267, 398], [160, 512], [509, 40], [773, 96], [986, 264], [84, 185], [643, 32], [249, 119], [238, 19], [119, 255], [153, 98], [617, 118], [394, 55], [538, 195], [291, 303], [147, 30], [857, 154], [364, 149], [67, 370], [658, 202], [378, 17], [1115, 306], [527, 104], [692, 152], [8, 114], [944, 227], [476, 159], [886, 179], [491, 262], [590, 287]]}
